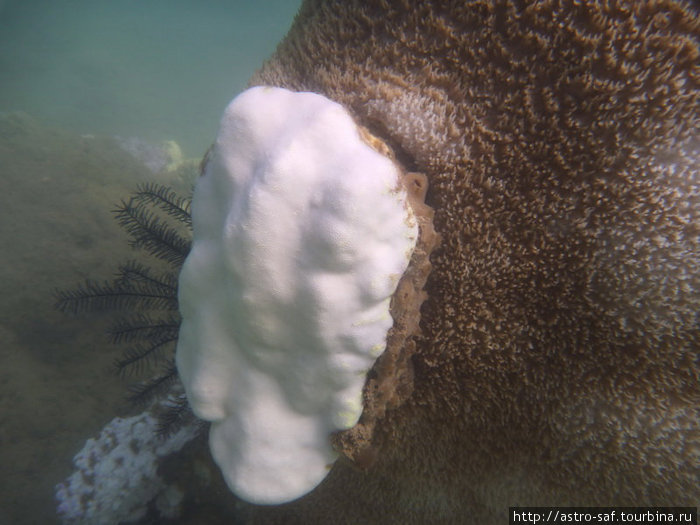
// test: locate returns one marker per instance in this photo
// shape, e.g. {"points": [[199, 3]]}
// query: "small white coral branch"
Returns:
{"points": [[115, 477]]}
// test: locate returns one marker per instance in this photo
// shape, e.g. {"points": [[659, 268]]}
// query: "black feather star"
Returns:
{"points": [[158, 222]]}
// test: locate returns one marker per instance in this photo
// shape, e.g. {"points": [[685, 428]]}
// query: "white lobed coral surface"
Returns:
{"points": [[301, 234], [115, 477]]}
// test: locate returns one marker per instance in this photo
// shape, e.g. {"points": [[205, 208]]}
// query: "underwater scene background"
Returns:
{"points": [[96, 98]]}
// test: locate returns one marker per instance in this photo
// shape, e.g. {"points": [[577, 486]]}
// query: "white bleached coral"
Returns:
{"points": [[301, 234], [116, 474]]}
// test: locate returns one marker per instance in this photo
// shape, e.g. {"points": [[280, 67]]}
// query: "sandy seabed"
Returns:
{"points": [[57, 383]]}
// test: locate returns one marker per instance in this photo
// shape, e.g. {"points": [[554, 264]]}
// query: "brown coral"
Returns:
{"points": [[558, 355]]}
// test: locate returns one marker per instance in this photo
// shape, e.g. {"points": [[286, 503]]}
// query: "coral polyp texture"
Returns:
{"points": [[557, 360], [302, 232]]}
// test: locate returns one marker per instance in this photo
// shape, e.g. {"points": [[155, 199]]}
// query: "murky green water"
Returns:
{"points": [[157, 69], [74, 74]]}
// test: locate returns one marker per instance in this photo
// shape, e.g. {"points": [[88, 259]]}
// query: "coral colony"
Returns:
{"points": [[116, 475], [559, 323], [301, 233]]}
